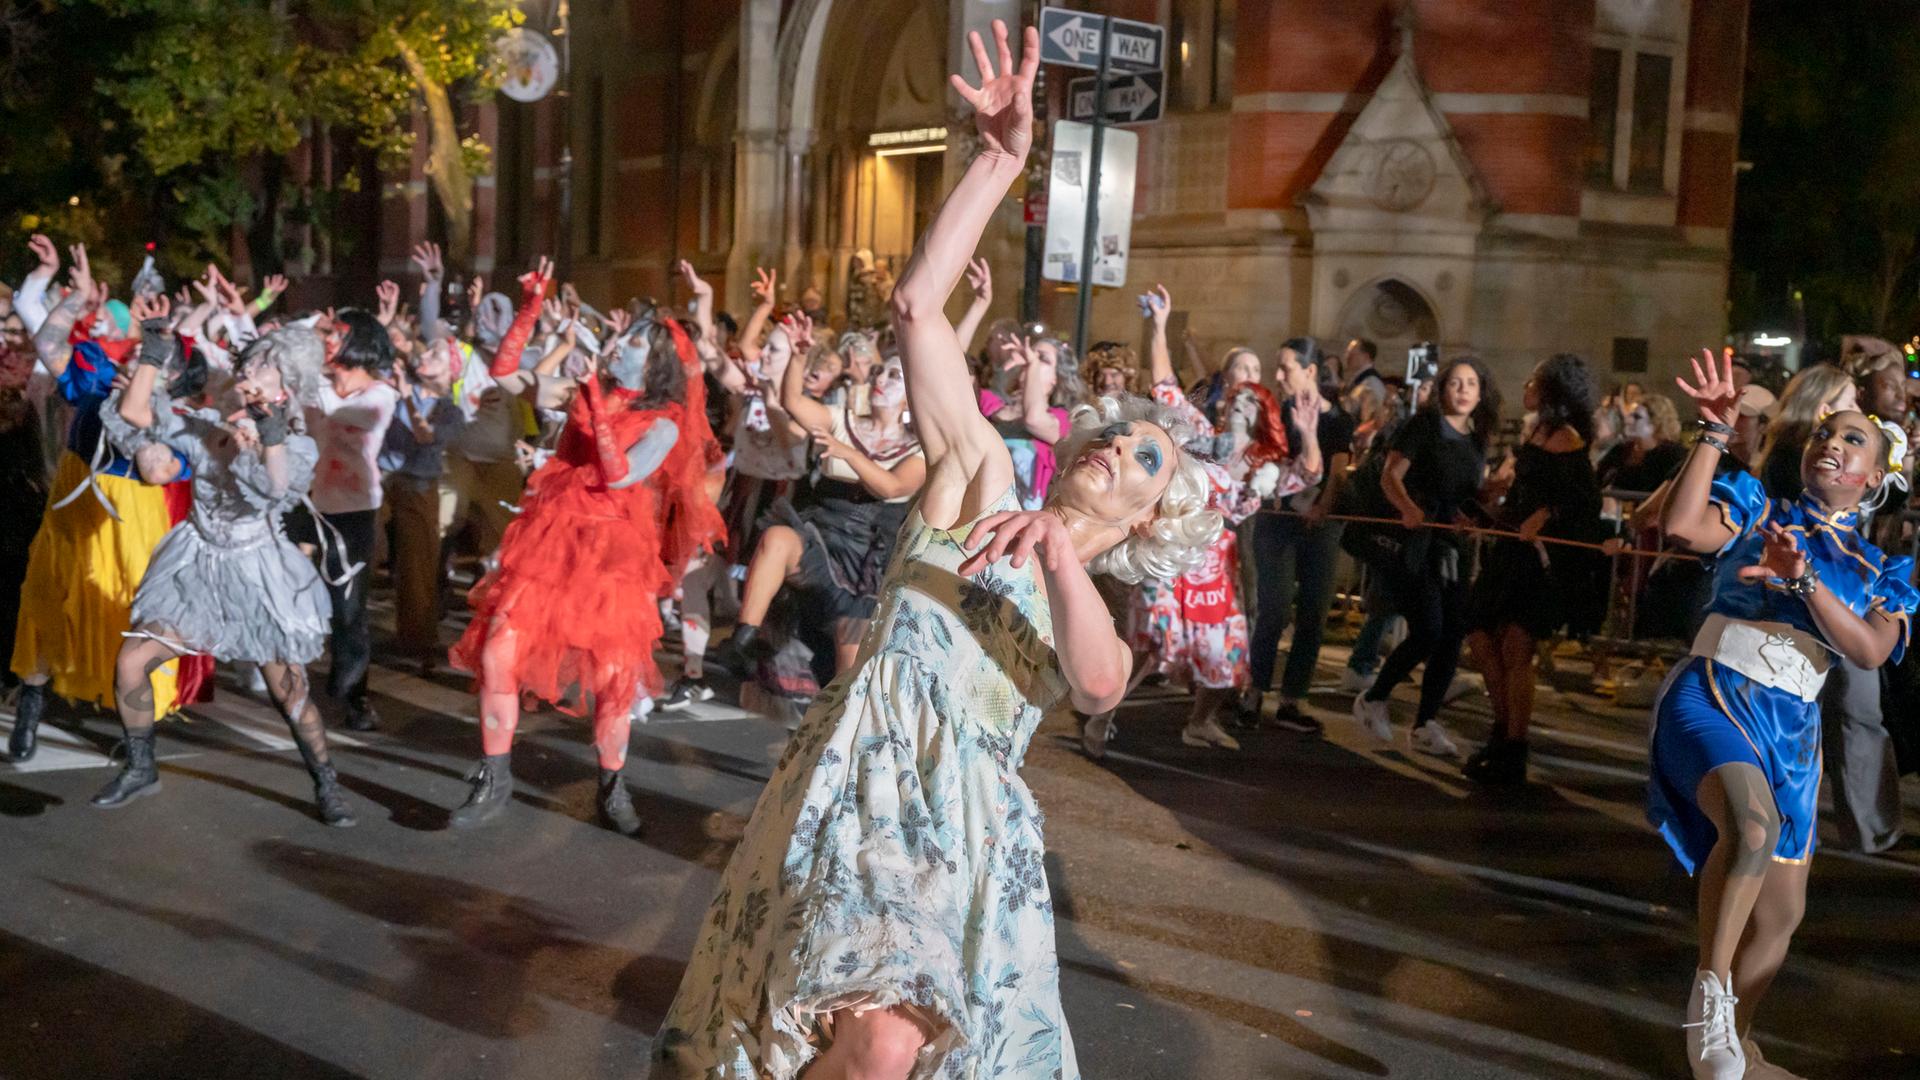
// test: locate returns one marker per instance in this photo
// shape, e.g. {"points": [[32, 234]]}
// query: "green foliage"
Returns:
{"points": [[231, 80], [1831, 207]]}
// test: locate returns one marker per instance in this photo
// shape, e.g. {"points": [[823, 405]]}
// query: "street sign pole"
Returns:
{"points": [[1091, 237]]}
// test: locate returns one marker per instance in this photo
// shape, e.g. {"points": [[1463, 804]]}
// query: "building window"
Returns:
{"points": [[1223, 23], [1629, 355], [1647, 149], [1201, 66], [1603, 112], [596, 165]]}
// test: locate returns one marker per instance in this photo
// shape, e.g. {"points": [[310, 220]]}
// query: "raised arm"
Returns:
{"points": [[30, 300], [433, 271], [533, 287], [1159, 356], [715, 362], [157, 345], [50, 341], [765, 289], [810, 415], [1689, 517], [980, 279], [939, 385]]}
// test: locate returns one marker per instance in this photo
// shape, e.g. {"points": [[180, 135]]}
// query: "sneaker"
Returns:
{"points": [[1432, 738], [685, 692], [1372, 717], [1355, 682], [361, 716], [1208, 734], [1096, 733], [1463, 684], [1759, 1068], [1713, 1050], [1292, 716]]}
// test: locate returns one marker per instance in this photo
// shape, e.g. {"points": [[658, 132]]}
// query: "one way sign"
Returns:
{"points": [[1073, 38], [1131, 99]]}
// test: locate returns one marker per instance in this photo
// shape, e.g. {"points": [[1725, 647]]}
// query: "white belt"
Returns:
{"points": [[1770, 653]]}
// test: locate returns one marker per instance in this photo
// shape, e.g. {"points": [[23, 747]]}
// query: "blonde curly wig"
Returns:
{"points": [[1182, 529]]}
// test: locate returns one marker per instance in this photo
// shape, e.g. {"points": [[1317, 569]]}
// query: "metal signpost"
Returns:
{"points": [[1082, 40]]}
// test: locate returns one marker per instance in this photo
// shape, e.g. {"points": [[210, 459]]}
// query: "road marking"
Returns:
{"points": [[258, 724], [62, 751], [58, 751]]}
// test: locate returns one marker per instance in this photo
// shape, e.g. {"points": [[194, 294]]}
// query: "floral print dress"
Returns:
{"points": [[895, 857]]}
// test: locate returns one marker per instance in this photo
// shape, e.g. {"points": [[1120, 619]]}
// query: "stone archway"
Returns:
{"points": [[1393, 315]]}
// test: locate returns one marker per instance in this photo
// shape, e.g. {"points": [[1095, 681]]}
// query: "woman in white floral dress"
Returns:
{"points": [[887, 913]]}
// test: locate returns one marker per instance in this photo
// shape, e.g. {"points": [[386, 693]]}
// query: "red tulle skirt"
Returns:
{"points": [[574, 601]]}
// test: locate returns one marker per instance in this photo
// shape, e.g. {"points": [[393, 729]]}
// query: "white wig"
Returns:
{"points": [[1183, 527], [300, 356]]}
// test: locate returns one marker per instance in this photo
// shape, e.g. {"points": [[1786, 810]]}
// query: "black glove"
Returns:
{"points": [[271, 422], [157, 343]]}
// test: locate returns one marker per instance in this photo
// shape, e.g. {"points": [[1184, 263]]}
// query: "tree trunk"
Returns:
{"points": [[445, 168]]}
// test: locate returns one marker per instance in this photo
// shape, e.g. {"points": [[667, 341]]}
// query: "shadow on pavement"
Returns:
{"points": [[63, 1017]]}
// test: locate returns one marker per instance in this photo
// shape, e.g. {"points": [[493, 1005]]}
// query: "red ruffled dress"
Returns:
{"points": [[584, 564]]}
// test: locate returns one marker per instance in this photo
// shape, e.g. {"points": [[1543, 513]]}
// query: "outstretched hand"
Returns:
{"points": [[765, 286], [1781, 558], [1019, 535], [1160, 305], [980, 280], [1003, 102], [48, 255], [696, 284], [426, 256], [533, 283], [1713, 391]]}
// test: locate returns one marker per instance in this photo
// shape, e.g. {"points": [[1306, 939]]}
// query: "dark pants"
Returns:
{"points": [[352, 639], [1436, 614], [1293, 579], [1860, 760]]}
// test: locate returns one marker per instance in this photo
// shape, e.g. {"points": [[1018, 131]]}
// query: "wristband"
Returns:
{"points": [[1714, 426], [271, 422], [157, 343], [1708, 440], [1803, 585]]}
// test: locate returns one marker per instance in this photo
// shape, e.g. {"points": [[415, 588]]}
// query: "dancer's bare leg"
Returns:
{"points": [[1776, 915], [879, 1044], [1487, 660], [1516, 670], [499, 692], [1739, 802], [775, 559]]}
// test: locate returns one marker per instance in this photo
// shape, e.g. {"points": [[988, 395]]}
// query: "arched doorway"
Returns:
{"points": [[1393, 315], [874, 171]]}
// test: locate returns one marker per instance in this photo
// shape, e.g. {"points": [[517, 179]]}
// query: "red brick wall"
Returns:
{"points": [[1716, 66]]}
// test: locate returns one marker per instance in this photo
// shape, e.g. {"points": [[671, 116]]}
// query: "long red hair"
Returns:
{"points": [[1269, 432]]}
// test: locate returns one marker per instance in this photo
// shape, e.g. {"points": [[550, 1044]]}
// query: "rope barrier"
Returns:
{"points": [[1479, 530]]}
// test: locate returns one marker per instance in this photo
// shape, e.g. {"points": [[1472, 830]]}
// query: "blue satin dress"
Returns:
{"points": [[1711, 715]]}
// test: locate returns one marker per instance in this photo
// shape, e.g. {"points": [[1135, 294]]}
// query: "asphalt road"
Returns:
{"points": [[1305, 908]]}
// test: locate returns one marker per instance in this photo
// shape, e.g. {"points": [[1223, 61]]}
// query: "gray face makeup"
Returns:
{"points": [[629, 365]]}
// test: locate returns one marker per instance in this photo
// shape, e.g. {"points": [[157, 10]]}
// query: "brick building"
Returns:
{"points": [[1514, 177]]}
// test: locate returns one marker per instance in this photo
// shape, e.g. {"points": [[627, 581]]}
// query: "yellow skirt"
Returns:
{"points": [[81, 575]]}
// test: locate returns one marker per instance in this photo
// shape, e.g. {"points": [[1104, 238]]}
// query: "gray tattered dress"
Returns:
{"points": [[227, 582]]}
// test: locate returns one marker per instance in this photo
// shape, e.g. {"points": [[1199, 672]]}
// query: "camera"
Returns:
{"points": [[1423, 362]]}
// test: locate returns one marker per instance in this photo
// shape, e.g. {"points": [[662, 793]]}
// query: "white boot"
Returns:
{"points": [[1713, 1048]]}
